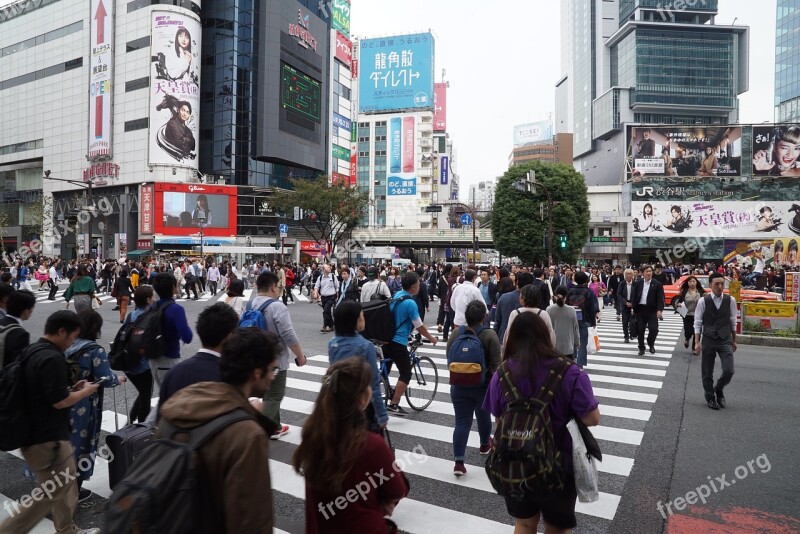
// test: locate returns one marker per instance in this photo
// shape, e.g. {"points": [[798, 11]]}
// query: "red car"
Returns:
{"points": [[749, 295]]}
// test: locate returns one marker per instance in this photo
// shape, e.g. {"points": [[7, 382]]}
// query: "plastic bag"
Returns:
{"points": [[593, 345], [584, 466]]}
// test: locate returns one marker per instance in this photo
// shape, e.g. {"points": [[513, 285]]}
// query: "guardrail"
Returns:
{"points": [[780, 319], [442, 236]]}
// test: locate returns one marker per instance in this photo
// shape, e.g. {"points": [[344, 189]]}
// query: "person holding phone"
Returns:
{"points": [[91, 363]]}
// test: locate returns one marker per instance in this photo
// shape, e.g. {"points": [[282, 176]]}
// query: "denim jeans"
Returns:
{"points": [[580, 352], [466, 402]]}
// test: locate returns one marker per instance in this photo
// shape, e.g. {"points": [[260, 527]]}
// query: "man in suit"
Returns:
{"points": [[648, 306], [13, 337], [623, 296], [613, 284]]}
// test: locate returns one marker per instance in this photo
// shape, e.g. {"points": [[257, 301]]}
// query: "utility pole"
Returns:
{"points": [[87, 185], [529, 185]]}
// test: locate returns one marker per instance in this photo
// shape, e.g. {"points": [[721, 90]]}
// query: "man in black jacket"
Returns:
{"points": [[14, 339], [539, 281], [648, 306], [613, 288], [623, 296]]}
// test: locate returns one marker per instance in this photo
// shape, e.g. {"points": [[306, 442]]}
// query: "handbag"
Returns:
{"points": [[583, 462], [633, 327], [593, 346]]}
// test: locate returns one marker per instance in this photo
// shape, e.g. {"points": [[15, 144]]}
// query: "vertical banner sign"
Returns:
{"points": [[344, 50], [146, 210], [101, 59], [174, 89], [445, 170], [123, 244], [792, 289], [353, 165], [340, 15], [402, 180], [439, 107], [408, 144], [354, 68]]}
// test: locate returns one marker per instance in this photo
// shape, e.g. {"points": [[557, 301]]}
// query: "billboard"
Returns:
{"points": [[757, 220], [439, 107], [785, 252], [340, 15], [146, 209], [397, 73], [533, 132], [344, 49], [182, 209], [776, 150], [402, 179], [101, 61], [701, 151], [174, 89], [444, 171], [744, 252]]}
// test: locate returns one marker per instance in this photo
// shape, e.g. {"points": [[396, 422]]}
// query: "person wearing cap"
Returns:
{"points": [[374, 286]]}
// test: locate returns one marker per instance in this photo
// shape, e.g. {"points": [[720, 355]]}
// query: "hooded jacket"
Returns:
{"points": [[234, 464]]}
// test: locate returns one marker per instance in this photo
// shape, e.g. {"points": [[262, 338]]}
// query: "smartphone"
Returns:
{"points": [[100, 380]]}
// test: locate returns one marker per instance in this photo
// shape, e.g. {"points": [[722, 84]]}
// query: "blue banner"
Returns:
{"points": [[445, 170], [341, 121], [398, 186], [396, 73]]}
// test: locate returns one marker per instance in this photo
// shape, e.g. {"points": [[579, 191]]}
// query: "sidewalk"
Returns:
{"points": [[731, 471]]}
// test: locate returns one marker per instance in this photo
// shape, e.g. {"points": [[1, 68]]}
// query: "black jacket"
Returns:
{"points": [[655, 297], [614, 282], [17, 340], [622, 292]]}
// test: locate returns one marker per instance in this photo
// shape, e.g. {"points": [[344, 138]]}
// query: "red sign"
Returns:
{"points": [[439, 107], [182, 209], [144, 244], [344, 50], [353, 162], [339, 178], [301, 31], [106, 168], [354, 68], [146, 204]]}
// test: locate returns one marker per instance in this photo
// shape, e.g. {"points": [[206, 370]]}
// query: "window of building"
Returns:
{"points": [[138, 83], [42, 38], [138, 44], [136, 124], [41, 74], [21, 147]]}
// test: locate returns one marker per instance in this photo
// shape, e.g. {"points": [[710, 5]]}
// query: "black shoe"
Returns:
{"points": [[84, 494], [641, 352], [395, 409], [115, 308], [686, 344], [713, 404], [720, 400], [652, 350], [619, 318], [627, 340]]}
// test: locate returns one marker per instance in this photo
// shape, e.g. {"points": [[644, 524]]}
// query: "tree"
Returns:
{"points": [[517, 226], [331, 211]]}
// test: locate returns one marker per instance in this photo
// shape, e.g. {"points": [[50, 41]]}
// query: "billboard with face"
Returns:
{"points": [[174, 89], [182, 209], [700, 151], [776, 150]]}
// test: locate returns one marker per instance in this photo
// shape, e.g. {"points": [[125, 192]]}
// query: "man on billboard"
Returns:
{"points": [[175, 138], [646, 147]]}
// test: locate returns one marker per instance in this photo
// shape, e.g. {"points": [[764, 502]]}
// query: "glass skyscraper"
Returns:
{"points": [[787, 61]]}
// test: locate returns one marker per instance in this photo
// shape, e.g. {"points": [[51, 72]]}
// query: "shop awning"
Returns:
{"points": [[138, 252]]}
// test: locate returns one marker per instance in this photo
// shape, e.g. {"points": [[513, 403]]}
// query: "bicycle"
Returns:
{"points": [[424, 382]]}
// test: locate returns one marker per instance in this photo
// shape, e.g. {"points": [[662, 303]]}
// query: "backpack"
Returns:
{"points": [[524, 462], [255, 318], [161, 491], [14, 417], [466, 359], [379, 319], [395, 285], [147, 335], [120, 357], [4, 331], [576, 297]]}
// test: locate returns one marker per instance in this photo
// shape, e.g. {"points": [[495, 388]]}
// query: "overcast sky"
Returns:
{"points": [[503, 60]]}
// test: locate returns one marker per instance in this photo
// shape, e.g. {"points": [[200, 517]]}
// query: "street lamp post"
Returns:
{"points": [[85, 185], [529, 185]]}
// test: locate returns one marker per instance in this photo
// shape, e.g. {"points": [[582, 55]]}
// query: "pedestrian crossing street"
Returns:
{"points": [[41, 296], [626, 385]]}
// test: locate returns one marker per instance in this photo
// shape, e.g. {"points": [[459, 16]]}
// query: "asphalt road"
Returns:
{"points": [[659, 440]]}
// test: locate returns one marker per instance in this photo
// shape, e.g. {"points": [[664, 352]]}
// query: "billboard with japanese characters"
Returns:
{"points": [[396, 73], [776, 150], [402, 176]]}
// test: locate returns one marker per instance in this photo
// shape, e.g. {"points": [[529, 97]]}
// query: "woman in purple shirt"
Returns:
{"points": [[530, 355]]}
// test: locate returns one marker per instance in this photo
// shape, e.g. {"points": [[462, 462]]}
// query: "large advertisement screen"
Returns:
{"points": [[776, 150], [182, 209], [758, 220], [533, 132], [301, 93], [396, 73], [101, 60], [745, 252], [174, 89], [700, 151], [402, 177]]}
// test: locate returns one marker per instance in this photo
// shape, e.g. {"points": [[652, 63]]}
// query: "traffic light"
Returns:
{"points": [[562, 240]]}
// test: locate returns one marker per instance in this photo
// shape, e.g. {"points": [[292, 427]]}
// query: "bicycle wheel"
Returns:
{"points": [[386, 390], [424, 383]]}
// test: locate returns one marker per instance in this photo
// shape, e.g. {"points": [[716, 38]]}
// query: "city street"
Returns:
{"points": [[659, 440]]}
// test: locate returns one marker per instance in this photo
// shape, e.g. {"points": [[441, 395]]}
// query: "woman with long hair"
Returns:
{"points": [[201, 208], [783, 156], [235, 296], [597, 286], [528, 359], [709, 163], [690, 294], [338, 454], [140, 376], [82, 289], [123, 289], [565, 324], [530, 300]]}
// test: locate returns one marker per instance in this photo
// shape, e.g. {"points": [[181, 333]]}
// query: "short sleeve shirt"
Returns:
{"points": [[405, 313]]}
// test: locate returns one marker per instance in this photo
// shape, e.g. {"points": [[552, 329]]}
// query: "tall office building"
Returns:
{"points": [[636, 61], [787, 59]]}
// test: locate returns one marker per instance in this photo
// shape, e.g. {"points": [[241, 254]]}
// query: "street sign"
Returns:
{"points": [[466, 219], [433, 208], [284, 230], [297, 214]]}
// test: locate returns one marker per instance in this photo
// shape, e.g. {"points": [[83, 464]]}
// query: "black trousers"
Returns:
{"points": [[626, 320], [191, 284], [213, 285], [327, 311], [712, 348], [143, 382], [688, 328], [442, 314], [448, 323], [649, 319], [53, 289]]}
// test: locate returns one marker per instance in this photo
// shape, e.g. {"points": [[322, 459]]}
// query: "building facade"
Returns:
{"points": [[558, 149], [787, 61]]}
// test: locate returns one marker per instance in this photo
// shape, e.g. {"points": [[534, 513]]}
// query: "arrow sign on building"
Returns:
{"points": [[100, 16]]}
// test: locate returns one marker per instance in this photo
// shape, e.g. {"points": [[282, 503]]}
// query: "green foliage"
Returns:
{"points": [[516, 223], [332, 210]]}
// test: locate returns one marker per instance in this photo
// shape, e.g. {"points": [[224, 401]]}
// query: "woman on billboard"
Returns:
{"points": [[668, 169], [708, 166], [178, 65], [175, 138], [202, 211], [648, 222], [781, 157]]}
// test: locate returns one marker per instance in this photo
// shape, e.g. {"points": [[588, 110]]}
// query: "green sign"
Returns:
{"points": [[340, 16], [353, 131], [341, 153]]}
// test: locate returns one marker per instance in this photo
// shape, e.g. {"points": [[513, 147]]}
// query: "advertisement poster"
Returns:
{"points": [[344, 49], [776, 150], [439, 107], [174, 89], [182, 209], [397, 73], [791, 292], [146, 198], [533, 132], [701, 151], [744, 252], [101, 60], [340, 15], [402, 178], [785, 252], [757, 220], [444, 170]]}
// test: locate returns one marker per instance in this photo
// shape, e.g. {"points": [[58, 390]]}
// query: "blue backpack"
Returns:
{"points": [[466, 359], [255, 318]]}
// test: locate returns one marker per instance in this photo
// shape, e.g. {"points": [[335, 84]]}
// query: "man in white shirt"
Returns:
{"points": [[52, 280], [375, 286], [757, 271], [715, 317], [327, 288], [463, 294], [213, 278], [624, 296]]}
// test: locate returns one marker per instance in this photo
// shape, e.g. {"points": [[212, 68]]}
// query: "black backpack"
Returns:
{"points": [[525, 463], [146, 338], [120, 357], [161, 492], [576, 297], [379, 319], [14, 417]]}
